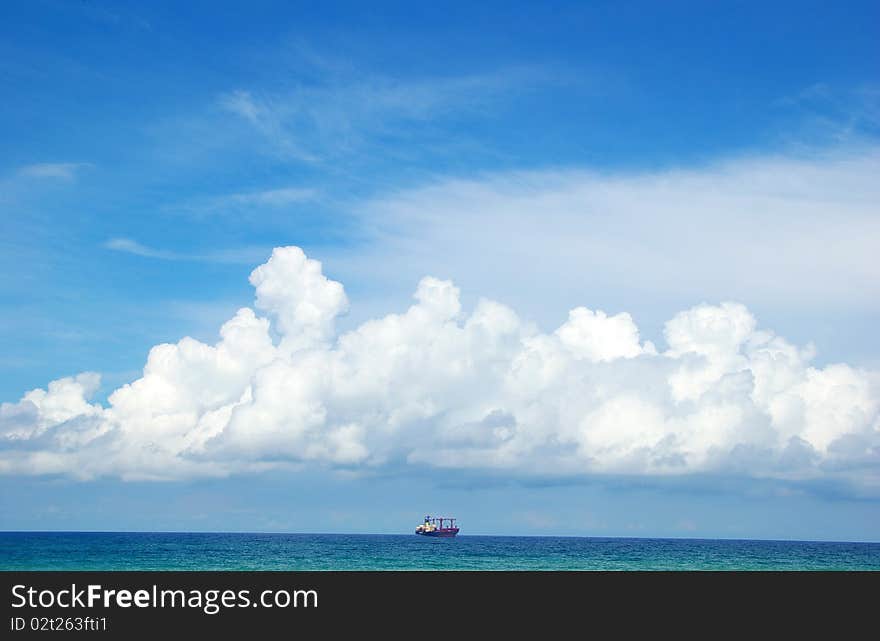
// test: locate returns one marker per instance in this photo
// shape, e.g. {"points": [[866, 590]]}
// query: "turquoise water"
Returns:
{"points": [[226, 551]]}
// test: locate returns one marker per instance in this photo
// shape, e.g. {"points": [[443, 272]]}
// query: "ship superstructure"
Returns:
{"points": [[434, 526]]}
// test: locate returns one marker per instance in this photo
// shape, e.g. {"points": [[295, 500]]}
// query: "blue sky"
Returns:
{"points": [[628, 157]]}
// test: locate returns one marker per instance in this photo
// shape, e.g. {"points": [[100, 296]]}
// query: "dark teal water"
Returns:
{"points": [[172, 551]]}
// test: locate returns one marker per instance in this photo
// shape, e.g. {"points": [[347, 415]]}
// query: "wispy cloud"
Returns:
{"points": [[788, 232], [247, 203], [32, 179], [61, 170], [346, 109], [827, 112], [268, 119], [129, 246], [272, 197], [244, 255]]}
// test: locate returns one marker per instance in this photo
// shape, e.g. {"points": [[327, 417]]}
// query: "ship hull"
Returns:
{"points": [[445, 533]]}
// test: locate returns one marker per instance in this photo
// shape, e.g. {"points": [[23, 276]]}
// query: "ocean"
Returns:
{"points": [[239, 551]]}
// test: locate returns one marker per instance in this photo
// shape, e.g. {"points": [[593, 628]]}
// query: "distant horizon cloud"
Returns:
{"points": [[435, 386]]}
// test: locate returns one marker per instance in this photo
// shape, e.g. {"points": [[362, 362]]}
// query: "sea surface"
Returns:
{"points": [[237, 551]]}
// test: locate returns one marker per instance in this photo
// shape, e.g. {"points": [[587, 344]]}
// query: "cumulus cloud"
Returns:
{"points": [[435, 385]]}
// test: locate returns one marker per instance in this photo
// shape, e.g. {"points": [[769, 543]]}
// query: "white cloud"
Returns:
{"points": [[598, 337], [436, 385], [304, 302]]}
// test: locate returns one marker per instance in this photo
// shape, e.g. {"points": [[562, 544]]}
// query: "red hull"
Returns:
{"points": [[446, 533]]}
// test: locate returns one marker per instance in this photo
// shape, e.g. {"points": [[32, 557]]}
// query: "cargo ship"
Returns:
{"points": [[433, 526]]}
